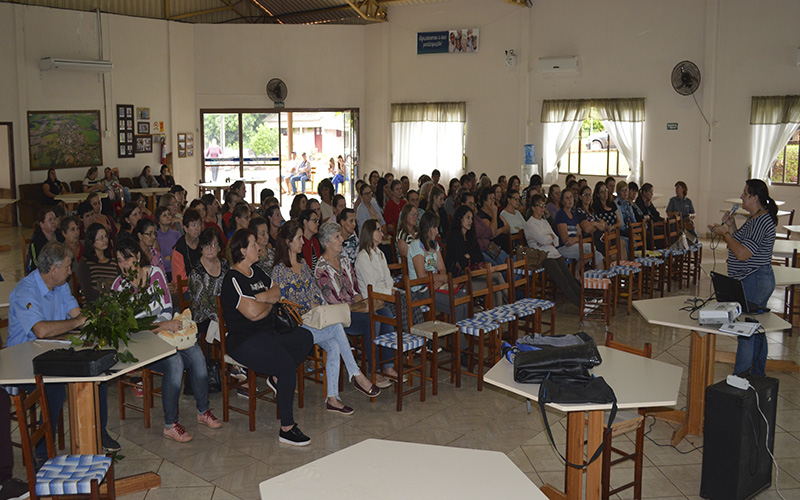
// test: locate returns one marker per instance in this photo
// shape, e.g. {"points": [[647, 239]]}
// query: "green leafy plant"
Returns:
{"points": [[113, 317]]}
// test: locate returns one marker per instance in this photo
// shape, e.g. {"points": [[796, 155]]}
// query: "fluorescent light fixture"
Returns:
{"points": [[48, 63]]}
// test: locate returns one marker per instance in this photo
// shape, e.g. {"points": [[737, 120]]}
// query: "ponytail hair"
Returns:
{"points": [[759, 189]]}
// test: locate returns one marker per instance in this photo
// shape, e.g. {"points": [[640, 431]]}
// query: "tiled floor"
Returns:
{"points": [[230, 462]]}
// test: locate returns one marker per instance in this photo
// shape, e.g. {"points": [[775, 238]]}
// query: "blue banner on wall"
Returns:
{"points": [[450, 41]]}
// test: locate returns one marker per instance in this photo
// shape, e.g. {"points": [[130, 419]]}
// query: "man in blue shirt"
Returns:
{"points": [[42, 306]]}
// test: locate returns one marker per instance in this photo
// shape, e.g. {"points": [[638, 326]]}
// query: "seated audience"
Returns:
{"points": [[347, 219], [541, 236], [436, 205], [146, 179], [239, 220], [72, 237], [297, 284], [607, 211], [682, 205], [299, 203], [166, 237], [624, 206], [645, 202], [451, 201], [490, 229], [131, 259], [567, 225], [394, 205], [325, 190], [171, 202], [186, 253], [511, 214], [247, 297], [97, 270], [52, 187], [553, 200], [369, 209], [588, 222], [145, 234], [112, 186], [91, 183], [407, 229], [205, 281], [128, 219], [309, 222], [45, 230], [164, 179], [266, 250]]}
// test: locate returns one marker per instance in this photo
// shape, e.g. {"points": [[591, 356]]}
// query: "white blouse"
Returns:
{"points": [[372, 269], [540, 235]]}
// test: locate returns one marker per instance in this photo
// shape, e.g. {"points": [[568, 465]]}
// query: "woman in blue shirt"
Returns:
{"points": [[750, 261]]}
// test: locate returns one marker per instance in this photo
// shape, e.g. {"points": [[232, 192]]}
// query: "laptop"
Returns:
{"points": [[729, 289]]}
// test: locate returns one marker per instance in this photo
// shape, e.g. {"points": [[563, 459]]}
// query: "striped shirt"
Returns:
{"points": [[758, 236]]}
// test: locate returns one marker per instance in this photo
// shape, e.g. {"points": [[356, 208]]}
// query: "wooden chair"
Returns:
{"points": [[621, 426], [85, 482], [628, 273], [434, 331], [406, 347], [26, 245], [149, 391], [598, 284], [654, 267], [230, 382], [457, 283], [787, 234], [520, 283], [181, 289], [791, 306], [658, 238]]}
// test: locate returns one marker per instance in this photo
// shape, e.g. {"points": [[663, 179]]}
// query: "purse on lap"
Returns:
{"points": [[285, 316], [326, 315]]}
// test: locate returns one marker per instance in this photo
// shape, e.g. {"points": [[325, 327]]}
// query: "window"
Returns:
{"points": [[428, 136], [784, 170], [593, 152]]}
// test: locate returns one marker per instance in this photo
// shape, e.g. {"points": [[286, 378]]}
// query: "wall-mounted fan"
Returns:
{"points": [[685, 78], [277, 91]]}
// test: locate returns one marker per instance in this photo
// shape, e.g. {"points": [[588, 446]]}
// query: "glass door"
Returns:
{"points": [[221, 148]]}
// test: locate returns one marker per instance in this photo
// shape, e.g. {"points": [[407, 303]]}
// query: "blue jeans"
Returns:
{"points": [[337, 179], [751, 353], [573, 252], [299, 177], [500, 260], [359, 326], [333, 341], [193, 361]]}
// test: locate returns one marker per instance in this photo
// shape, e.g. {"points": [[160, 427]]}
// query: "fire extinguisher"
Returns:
{"points": [[163, 151]]}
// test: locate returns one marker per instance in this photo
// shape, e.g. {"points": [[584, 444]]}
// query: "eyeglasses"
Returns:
{"points": [[314, 220], [212, 245], [366, 193], [540, 205]]}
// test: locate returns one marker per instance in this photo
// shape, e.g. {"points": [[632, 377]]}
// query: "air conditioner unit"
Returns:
{"points": [[48, 63], [566, 64]]}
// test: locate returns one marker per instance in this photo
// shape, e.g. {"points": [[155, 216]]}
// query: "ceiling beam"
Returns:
{"points": [[369, 10], [200, 13]]}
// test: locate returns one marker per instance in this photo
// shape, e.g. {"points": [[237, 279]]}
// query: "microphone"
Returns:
{"points": [[733, 209]]}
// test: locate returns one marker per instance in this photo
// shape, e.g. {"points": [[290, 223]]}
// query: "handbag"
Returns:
{"points": [[326, 315], [72, 363], [576, 391], [493, 249], [534, 256], [284, 316], [184, 338], [571, 362]]}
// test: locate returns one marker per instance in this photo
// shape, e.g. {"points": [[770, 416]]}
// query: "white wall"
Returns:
{"points": [[627, 48]]}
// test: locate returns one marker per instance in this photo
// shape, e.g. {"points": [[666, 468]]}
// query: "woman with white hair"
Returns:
{"points": [[337, 280]]}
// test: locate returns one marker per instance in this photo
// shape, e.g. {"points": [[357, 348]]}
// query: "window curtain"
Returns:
{"points": [[773, 120], [562, 119], [428, 136], [624, 121]]}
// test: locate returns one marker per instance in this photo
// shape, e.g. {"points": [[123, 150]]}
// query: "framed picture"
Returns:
{"points": [[181, 153], [130, 125], [122, 137], [181, 137], [181, 145], [130, 137], [124, 126], [121, 151], [143, 113], [130, 149], [129, 112], [189, 152], [121, 111], [144, 128], [64, 139], [144, 144], [189, 139]]}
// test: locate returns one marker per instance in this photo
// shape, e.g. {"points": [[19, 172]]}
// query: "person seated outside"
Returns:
{"points": [[339, 176], [303, 172], [248, 296], [289, 169], [298, 285], [336, 278], [541, 236], [464, 253], [347, 220], [98, 269], [41, 306], [682, 205], [131, 259], [146, 179]]}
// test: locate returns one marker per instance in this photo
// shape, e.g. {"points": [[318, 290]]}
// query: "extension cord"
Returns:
{"points": [[738, 382]]}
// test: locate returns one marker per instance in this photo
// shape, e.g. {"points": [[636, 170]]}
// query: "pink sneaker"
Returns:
{"points": [[177, 433], [209, 419]]}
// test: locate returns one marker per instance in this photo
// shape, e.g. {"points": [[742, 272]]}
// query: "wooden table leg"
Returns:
{"points": [[84, 429], [84, 418], [573, 482], [701, 375], [594, 471]]}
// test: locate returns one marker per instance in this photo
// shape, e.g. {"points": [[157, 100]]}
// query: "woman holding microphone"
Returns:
{"points": [[749, 261]]}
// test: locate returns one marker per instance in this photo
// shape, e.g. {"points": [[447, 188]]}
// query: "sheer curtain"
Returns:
{"points": [[427, 136], [624, 121], [773, 119], [562, 119]]}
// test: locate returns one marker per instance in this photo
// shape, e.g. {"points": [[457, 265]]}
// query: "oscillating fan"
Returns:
{"points": [[277, 91], [685, 78]]}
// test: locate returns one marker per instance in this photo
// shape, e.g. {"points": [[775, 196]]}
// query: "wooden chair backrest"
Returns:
{"points": [[26, 245], [519, 282], [584, 256], [223, 330], [637, 240], [424, 300], [374, 317], [459, 283], [646, 352], [655, 235], [181, 288], [673, 230], [516, 240], [32, 430], [505, 270], [476, 294], [613, 254]]}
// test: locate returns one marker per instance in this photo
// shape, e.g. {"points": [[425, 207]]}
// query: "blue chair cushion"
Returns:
{"points": [[498, 315], [473, 326], [410, 342], [649, 261], [71, 474]]}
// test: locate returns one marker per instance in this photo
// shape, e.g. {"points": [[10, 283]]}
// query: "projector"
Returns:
{"points": [[719, 313]]}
